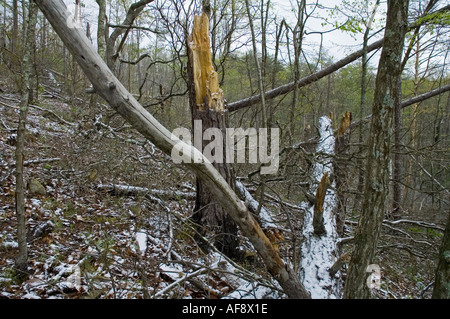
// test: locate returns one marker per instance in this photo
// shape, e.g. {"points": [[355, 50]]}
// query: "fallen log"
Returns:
{"points": [[319, 249], [127, 190]]}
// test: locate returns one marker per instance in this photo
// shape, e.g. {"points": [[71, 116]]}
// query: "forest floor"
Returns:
{"points": [[88, 241]]}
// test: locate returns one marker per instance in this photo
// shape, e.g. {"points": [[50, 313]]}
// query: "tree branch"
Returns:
{"points": [[284, 89]]}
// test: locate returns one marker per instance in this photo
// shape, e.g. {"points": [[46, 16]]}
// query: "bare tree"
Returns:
{"points": [[208, 108], [363, 102], [26, 93]]}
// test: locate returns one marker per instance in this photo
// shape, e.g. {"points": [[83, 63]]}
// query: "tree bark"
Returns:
{"points": [[101, 28], [376, 188], [27, 65], [416, 99], [110, 88], [208, 109], [441, 288], [287, 88], [340, 167]]}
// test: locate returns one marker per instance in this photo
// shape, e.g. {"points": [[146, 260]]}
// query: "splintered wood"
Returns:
{"points": [[345, 123], [318, 223], [206, 81]]}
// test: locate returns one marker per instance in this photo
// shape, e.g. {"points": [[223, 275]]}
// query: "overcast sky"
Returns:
{"points": [[337, 44]]}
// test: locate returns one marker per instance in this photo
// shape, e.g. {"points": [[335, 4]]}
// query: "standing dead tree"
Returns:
{"points": [[208, 106], [110, 88]]}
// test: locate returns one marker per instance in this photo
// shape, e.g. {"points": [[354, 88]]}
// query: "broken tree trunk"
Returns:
{"points": [[319, 253], [318, 223], [340, 166], [110, 88], [208, 108]]}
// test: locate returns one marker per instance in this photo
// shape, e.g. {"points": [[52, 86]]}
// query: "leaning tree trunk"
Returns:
{"points": [[376, 187], [208, 111]]}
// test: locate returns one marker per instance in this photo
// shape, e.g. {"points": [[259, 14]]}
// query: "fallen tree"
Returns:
{"points": [[110, 88], [289, 87], [416, 99], [286, 88], [319, 249], [118, 189]]}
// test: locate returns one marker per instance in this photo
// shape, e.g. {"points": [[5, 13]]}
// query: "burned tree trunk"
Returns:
{"points": [[208, 112]]}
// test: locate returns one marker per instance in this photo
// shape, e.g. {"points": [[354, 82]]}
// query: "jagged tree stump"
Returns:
{"points": [[319, 227], [208, 105]]}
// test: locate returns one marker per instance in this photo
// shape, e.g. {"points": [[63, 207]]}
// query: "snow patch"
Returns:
{"points": [[264, 214], [319, 253], [141, 240]]}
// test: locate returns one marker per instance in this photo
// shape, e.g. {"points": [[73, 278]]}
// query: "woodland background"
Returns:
{"points": [[140, 242]]}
